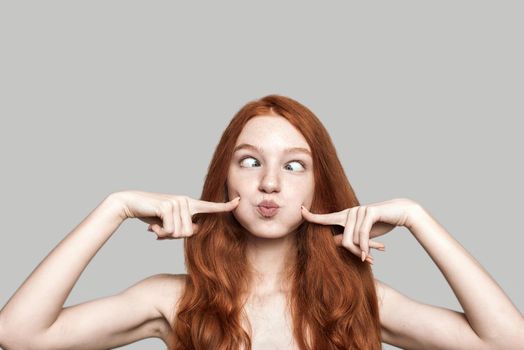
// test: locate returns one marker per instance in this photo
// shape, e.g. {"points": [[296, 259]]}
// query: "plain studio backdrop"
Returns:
{"points": [[422, 100]]}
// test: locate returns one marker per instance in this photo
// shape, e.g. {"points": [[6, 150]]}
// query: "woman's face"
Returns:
{"points": [[271, 161]]}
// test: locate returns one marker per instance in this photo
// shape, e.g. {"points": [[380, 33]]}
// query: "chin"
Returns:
{"points": [[264, 228], [277, 233]]}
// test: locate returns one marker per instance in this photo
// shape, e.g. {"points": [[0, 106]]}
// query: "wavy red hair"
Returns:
{"points": [[333, 301]]}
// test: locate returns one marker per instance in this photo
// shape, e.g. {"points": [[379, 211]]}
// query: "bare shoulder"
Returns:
{"points": [[167, 289], [380, 288], [384, 293]]}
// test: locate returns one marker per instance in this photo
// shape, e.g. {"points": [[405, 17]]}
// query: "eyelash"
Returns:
{"points": [[294, 160]]}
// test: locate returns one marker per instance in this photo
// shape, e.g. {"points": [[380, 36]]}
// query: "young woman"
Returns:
{"points": [[278, 254]]}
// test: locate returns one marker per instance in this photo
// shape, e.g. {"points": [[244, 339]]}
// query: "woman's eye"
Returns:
{"points": [[297, 162], [248, 161], [247, 158]]}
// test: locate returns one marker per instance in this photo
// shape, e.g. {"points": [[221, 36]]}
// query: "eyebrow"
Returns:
{"points": [[287, 150]]}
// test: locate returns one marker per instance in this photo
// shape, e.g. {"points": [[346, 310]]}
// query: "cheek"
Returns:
{"points": [[294, 215], [234, 186], [245, 214]]}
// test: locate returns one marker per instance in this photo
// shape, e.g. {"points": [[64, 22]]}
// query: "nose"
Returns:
{"points": [[270, 181]]}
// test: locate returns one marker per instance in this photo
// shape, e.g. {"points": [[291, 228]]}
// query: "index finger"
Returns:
{"points": [[336, 218], [200, 206]]}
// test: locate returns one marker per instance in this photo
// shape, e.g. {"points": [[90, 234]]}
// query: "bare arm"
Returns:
{"points": [[139, 312], [38, 301], [489, 321], [34, 317]]}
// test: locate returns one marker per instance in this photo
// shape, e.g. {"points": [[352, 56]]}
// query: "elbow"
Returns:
{"points": [[8, 343], [3, 337], [8, 340]]}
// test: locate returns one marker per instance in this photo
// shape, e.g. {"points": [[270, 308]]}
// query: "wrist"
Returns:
{"points": [[114, 203], [416, 213]]}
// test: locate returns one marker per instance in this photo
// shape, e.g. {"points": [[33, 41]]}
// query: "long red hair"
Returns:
{"points": [[333, 301]]}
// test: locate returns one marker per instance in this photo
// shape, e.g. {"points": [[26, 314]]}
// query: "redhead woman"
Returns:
{"points": [[278, 252]]}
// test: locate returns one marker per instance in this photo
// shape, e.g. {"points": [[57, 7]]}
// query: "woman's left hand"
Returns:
{"points": [[361, 223]]}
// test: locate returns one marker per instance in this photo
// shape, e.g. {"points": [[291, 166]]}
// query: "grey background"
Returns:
{"points": [[422, 100]]}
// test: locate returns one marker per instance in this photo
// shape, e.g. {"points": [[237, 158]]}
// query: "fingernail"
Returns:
{"points": [[363, 255]]}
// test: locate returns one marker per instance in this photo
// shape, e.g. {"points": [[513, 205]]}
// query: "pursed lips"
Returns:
{"points": [[267, 209]]}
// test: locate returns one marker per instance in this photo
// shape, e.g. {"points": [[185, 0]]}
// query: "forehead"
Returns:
{"points": [[271, 132]]}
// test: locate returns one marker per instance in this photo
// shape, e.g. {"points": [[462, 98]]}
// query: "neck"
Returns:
{"points": [[270, 259]]}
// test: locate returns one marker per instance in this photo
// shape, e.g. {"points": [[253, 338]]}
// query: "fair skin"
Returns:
{"points": [[268, 172], [144, 310], [262, 169]]}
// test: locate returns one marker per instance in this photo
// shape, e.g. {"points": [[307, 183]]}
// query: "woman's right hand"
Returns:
{"points": [[169, 216]]}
